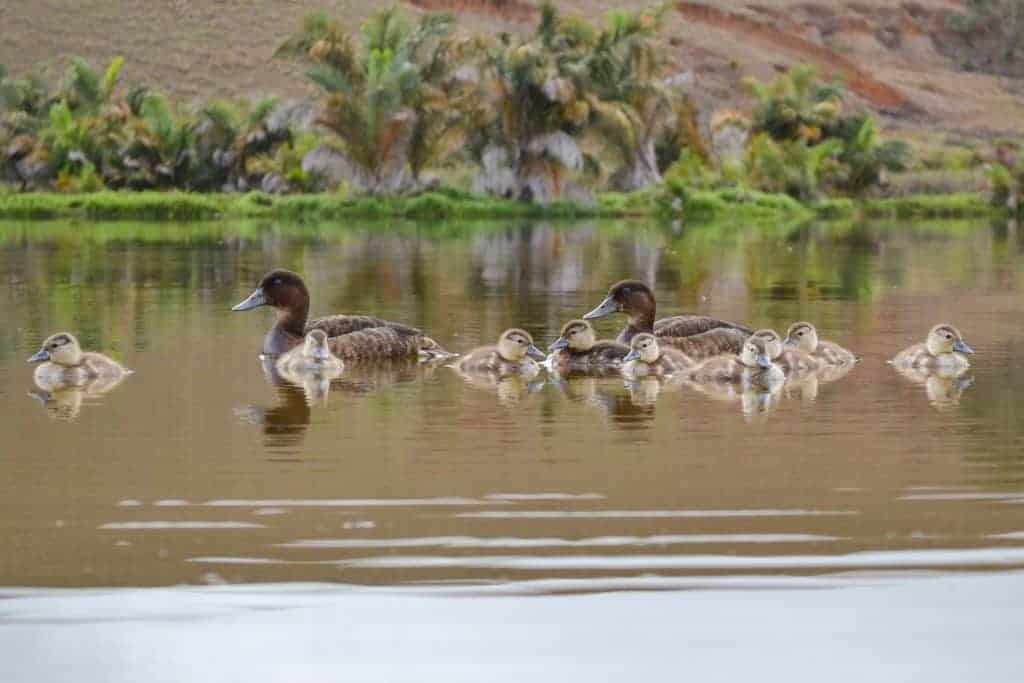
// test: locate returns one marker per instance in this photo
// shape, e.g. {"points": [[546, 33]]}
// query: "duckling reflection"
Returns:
{"points": [[753, 400], [626, 405], [943, 388], [510, 389], [65, 402]]}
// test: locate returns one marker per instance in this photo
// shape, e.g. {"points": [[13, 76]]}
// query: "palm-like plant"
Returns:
{"points": [[795, 106], [529, 112], [865, 156], [790, 166], [633, 104], [384, 100]]}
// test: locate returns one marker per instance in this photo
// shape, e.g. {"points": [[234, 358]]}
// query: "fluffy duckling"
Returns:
{"points": [[314, 356], [944, 350], [65, 364], [752, 367], [577, 349], [350, 337], [636, 300], [647, 358], [790, 360], [803, 336], [514, 354]]}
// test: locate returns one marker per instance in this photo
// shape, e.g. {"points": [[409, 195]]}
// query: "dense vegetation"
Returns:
{"points": [[411, 107]]}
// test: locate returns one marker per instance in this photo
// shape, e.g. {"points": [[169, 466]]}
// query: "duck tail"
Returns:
{"points": [[432, 352]]}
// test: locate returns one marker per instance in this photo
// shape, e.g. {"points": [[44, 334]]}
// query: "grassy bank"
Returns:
{"points": [[701, 206]]}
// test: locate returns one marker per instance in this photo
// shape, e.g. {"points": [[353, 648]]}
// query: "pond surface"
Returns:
{"points": [[197, 470]]}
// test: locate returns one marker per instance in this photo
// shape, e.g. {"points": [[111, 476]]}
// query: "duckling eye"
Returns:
{"points": [[800, 333]]}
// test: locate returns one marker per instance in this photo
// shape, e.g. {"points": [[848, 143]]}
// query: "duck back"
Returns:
{"points": [[604, 355], [796, 362], [340, 325], [690, 325], [715, 342], [834, 354], [487, 360], [375, 343]]}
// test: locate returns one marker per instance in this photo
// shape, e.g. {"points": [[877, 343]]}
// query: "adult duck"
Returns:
{"points": [[349, 337], [707, 336]]}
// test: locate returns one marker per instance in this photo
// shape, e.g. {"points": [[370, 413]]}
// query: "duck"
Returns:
{"points": [[577, 349], [944, 350], [314, 356], [64, 364], [791, 361], [803, 336], [349, 337], [751, 367], [647, 358], [698, 336], [514, 354]]}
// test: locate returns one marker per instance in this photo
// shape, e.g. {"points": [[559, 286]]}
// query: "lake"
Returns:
{"points": [[197, 470]]}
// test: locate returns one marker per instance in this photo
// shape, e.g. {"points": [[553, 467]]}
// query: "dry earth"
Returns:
{"points": [[897, 58]]}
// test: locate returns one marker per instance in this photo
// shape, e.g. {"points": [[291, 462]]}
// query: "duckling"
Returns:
{"points": [[752, 367], [804, 337], [350, 337], [65, 364], [790, 360], [578, 350], [514, 354], [647, 358], [944, 350], [636, 300], [314, 356]]}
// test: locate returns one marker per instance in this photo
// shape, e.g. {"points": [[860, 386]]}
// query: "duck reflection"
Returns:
{"points": [[65, 401], [627, 405], [943, 387]]}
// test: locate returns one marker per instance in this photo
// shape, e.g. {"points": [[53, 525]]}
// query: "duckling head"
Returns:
{"points": [[773, 342], [61, 348], [629, 296], [316, 346], [945, 338], [754, 353], [278, 289], [577, 335], [802, 336], [643, 347], [514, 345]]}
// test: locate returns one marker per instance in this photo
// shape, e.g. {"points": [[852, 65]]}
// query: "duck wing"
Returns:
{"points": [[376, 343], [341, 325], [715, 342], [689, 325]]}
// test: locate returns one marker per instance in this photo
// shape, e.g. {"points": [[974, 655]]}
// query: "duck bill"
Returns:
{"points": [[254, 300], [535, 353], [559, 344], [39, 356], [764, 361], [632, 355], [961, 346], [606, 307]]}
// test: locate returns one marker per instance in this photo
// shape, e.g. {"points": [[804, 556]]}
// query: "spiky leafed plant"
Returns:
{"points": [[232, 140], [795, 106], [790, 166], [524, 130], [156, 151], [383, 99], [24, 107], [865, 156], [634, 105]]}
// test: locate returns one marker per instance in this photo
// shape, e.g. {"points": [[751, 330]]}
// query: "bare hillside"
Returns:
{"points": [[898, 58]]}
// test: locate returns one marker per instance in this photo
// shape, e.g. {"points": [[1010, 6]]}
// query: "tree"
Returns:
{"points": [[384, 100], [864, 156], [795, 106]]}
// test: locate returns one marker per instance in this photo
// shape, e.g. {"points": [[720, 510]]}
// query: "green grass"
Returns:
{"points": [[699, 206]]}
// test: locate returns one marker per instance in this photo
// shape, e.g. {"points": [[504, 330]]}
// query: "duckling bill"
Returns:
{"points": [[349, 337]]}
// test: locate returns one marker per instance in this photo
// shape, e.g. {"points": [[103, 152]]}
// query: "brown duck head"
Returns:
{"points": [[631, 297], [285, 292]]}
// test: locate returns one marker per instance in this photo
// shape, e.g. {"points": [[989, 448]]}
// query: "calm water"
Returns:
{"points": [[197, 470]]}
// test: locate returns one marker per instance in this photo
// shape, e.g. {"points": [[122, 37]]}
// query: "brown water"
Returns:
{"points": [[196, 469]]}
